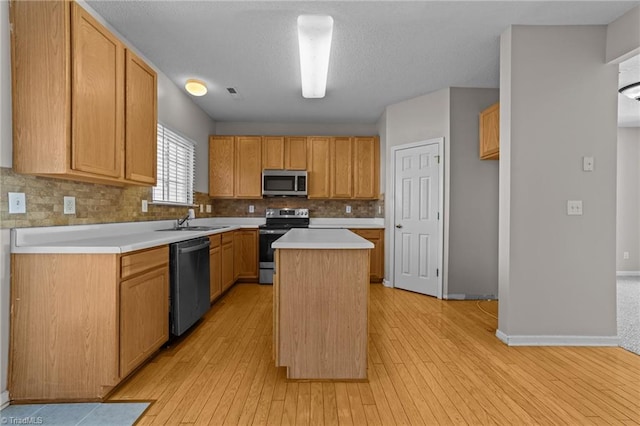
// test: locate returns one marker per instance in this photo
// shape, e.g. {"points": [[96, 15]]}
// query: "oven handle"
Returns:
{"points": [[273, 231]]}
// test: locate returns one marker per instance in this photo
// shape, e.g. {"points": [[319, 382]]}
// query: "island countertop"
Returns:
{"points": [[303, 238]]}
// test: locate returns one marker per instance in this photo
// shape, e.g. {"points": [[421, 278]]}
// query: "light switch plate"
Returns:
{"points": [[588, 164], [625, 255], [252, 208], [574, 207], [201, 208], [69, 205], [348, 209], [145, 206], [17, 202], [208, 206]]}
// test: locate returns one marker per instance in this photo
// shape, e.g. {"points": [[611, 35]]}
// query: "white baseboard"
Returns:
{"points": [[628, 273], [387, 283], [455, 296], [558, 340], [4, 399]]}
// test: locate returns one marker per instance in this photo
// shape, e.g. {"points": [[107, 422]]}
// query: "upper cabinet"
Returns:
{"points": [[341, 160], [318, 167], [366, 168], [490, 133], [235, 167], [284, 152], [84, 108]]}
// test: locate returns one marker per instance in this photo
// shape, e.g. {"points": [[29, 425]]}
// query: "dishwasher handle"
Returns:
{"points": [[193, 248]]}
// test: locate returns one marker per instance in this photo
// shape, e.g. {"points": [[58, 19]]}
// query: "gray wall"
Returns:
{"points": [[473, 200], [175, 109], [557, 272], [628, 200]]}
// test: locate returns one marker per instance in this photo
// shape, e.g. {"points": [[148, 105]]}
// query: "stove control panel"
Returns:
{"points": [[287, 213]]}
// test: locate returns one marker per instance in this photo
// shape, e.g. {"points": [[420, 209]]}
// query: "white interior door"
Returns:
{"points": [[417, 231]]}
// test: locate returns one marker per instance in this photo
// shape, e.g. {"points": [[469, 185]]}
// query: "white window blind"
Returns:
{"points": [[176, 157]]}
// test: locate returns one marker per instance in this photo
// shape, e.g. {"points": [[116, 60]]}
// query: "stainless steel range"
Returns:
{"points": [[279, 221]]}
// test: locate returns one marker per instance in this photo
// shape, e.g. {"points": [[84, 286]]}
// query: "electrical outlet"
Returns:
{"points": [[625, 255], [574, 207], [145, 206], [69, 205], [201, 208], [252, 208], [379, 209], [208, 208], [587, 164], [17, 202], [348, 209]]}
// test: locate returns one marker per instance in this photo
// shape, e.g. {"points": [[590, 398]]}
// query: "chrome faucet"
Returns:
{"points": [[190, 215]]}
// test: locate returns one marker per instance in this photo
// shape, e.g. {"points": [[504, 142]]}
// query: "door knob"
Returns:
{"points": [[398, 226]]}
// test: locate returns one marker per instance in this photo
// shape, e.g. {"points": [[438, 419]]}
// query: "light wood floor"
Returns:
{"points": [[430, 362]]}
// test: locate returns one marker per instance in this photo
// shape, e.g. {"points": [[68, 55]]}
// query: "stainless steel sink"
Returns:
{"points": [[194, 228]]}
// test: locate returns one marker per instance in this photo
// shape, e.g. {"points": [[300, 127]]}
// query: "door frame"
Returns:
{"points": [[443, 216]]}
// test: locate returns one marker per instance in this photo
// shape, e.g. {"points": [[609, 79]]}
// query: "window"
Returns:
{"points": [[176, 156]]}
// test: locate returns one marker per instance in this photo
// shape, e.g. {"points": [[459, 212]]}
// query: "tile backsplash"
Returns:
{"points": [[108, 204]]}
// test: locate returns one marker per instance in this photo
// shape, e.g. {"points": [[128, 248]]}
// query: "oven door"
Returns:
{"points": [[268, 236]]}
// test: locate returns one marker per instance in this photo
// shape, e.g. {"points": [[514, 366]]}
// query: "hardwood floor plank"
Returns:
{"points": [[317, 404], [371, 412], [290, 402], [342, 404], [329, 403], [303, 408], [275, 412]]}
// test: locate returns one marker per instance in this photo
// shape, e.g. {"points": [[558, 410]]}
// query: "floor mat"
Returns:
{"points": [[85, 414]]}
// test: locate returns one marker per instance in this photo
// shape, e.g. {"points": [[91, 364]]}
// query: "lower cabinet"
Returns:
{"points": [[144, 319], [215, 267], [96, 317], [376, 263], [246, 254], [227, 267]]}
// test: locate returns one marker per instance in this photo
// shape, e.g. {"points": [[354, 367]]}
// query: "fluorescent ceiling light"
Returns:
{"points": [[632, 91], [314, 38], [196, 87]]}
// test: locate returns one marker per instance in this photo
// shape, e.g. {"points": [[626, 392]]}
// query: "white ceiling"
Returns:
{"points": [[383, 52]]}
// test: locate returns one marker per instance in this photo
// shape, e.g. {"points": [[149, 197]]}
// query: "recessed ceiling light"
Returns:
{"points": [[314, 39], [196, 87], [631, 91]]}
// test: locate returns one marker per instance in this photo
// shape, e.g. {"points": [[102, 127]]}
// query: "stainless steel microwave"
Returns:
{"points": [[284, 183]]}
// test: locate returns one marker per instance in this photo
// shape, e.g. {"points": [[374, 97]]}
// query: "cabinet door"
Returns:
{"points": [[376, 258], [237, 255], [273, 152], [227, 260], [144, 317], [140, 120], [318, 166], [490, 133], [97, 97], [221, 166], [295, 153], [341, 167], [215, 272], [248, 167], [246, 252], [366, 167]]}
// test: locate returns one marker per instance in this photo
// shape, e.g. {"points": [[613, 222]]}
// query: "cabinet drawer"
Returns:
{"points": [[227, 237], [367, 233], [140, 261], [214, 241]]}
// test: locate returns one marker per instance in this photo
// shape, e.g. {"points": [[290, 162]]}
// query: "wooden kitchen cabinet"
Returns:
{"points": [[490, 133], [246, 254], [376, 264], [366, 168], [319, 167], [222, 151], [144, 313], [248, 173], [341, 156], [70, 84], [235, 167], [227, 259], [284, 152], [215, 266], [96, 317]]}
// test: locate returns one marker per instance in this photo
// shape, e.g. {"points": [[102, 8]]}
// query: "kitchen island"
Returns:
{"points": [[321, 304]]}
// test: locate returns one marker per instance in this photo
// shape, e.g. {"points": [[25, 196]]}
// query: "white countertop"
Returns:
{"points": [[321, 239], [130, 236]]}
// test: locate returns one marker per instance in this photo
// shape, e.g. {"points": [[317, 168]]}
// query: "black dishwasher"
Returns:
{"points": [[189, 278]]}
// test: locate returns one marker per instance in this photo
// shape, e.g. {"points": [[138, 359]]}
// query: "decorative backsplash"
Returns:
{"points": [[108, 204]]}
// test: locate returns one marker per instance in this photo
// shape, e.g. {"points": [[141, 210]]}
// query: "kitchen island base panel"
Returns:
{"points": [[323, 313]]}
